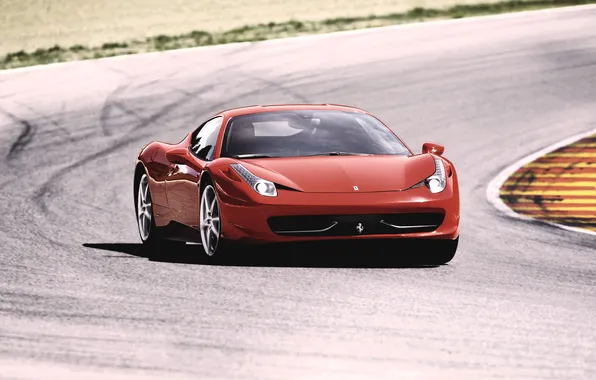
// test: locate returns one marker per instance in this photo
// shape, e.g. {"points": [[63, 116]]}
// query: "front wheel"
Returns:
{"points": [[210, 223]]}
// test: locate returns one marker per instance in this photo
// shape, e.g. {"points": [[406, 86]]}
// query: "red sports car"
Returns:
{"points": [[289, 173]]}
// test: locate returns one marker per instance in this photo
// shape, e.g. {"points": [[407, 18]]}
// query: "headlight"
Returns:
{"points": [[436, 182], [260, 185]]}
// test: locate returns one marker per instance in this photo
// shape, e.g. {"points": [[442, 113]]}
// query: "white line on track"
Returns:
{"points": [[415, 24], [492, 191]]}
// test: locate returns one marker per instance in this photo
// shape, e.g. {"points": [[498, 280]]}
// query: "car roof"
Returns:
{"points": [[248, 110]]}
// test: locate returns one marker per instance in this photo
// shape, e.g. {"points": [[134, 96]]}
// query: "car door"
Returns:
{"points": [[181, 182]]}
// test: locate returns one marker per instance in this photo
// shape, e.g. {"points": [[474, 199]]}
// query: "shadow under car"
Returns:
{"points": [[335, 254]]}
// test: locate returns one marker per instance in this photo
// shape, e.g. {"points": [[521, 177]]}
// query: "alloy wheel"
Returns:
{"points": [[210, 225], [144, 208]]}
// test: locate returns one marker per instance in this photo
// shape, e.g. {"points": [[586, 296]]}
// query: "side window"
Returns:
{"points": [[204, 139]]}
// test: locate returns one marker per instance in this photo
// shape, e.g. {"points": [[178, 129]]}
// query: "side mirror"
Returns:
{"points": [[178, 156], [433, 148]]}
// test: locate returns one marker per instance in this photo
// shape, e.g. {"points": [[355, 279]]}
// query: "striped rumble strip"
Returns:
{"points": [[559, 187]]}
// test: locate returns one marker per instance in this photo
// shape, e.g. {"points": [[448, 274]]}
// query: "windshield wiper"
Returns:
{"points": [[340, 154], [254, 155]]}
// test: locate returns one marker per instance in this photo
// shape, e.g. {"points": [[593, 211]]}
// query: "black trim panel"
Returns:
{"points": [[353, 225]]}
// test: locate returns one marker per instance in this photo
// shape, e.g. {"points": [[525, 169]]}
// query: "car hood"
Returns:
{"points": [[343, 174]]}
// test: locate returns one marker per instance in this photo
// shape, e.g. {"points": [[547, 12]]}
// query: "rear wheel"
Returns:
{"points": [[145, 219], [210, 223], [440, 252]]}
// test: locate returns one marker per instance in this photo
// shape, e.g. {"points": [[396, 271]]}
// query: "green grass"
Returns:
{"points": [[272, 30], [31, 24]]}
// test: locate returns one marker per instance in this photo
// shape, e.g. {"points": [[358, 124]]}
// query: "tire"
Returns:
{"points": [[210, 223], [440, 252], [148, 232]]}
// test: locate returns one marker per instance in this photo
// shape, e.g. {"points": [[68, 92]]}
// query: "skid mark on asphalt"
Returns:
{"points": [[559, 187], [39, 197], [57, 124], [25, 137], [46, 187]]}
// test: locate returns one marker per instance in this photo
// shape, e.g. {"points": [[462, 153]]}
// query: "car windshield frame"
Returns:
{"points": [[363, 135]]}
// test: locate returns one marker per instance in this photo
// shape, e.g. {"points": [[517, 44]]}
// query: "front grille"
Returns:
{"points": [[352, 225]]}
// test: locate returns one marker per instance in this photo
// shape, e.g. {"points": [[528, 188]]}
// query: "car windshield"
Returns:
{"points": [[309, 133]]}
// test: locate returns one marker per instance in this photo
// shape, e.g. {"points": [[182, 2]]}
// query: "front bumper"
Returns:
{"points": [[357, 215]]}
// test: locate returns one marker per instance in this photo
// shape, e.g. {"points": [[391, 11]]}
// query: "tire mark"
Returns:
{"points": [[111, 103], [25, 137], [23, 140], [51, 121], [5, 96], [106, 109], [277, 86], [45, 188]]}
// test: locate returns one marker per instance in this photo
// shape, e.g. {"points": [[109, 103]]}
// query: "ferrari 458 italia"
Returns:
{"points": [[290, 173]]}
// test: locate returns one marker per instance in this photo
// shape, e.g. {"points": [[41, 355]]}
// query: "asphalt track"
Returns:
{"points": [[517, 302]]}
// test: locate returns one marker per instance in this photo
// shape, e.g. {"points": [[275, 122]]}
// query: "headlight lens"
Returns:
{"points": [[260, 185], [436, 182]]}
